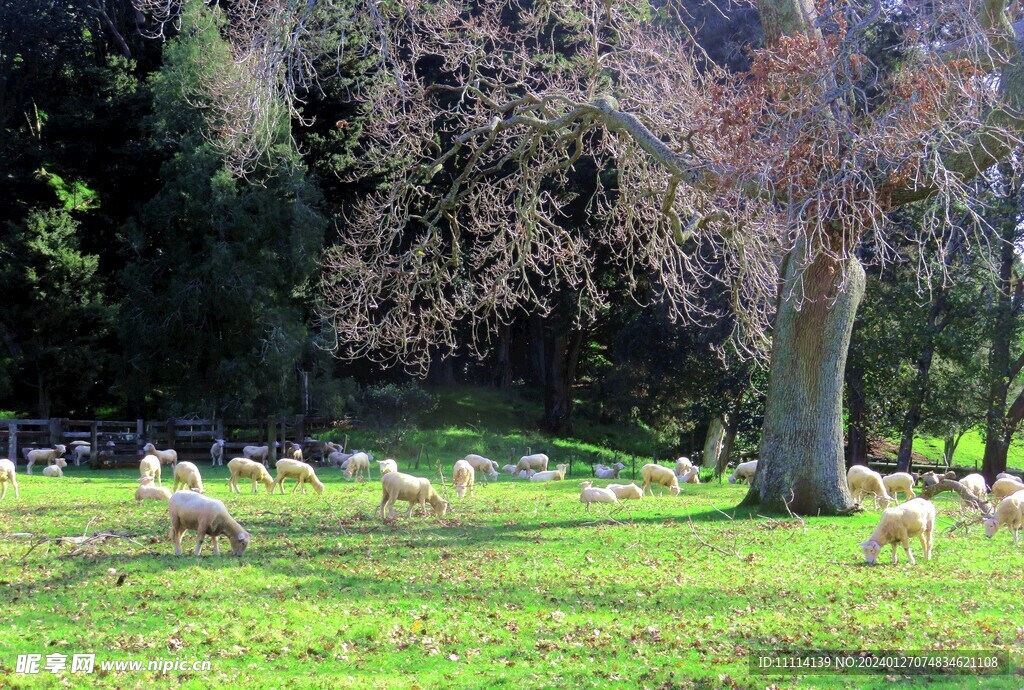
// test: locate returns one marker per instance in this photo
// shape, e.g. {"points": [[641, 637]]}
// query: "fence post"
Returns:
{"points": [[632, 465], [571, 458], [218, 429], [271, 440], [138, 437], [94, 445], [54, 431], [172, 433], [12, 441]]}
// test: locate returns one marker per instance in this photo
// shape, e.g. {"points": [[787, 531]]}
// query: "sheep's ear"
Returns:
{"points": [[243, 536]]}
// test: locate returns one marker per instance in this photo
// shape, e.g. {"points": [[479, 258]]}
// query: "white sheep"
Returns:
{"points": [[899, 482], [537, 461], [47, 455], [167, 457], [386, 466], [555, 475], [509, 469], [146, 490], [245, 468], [1006, 486], [356, 465], [205, 516], [915, 518], [606, 472], [975, 483], [7, 476], [53, 471], [258, 453], [683, 466], [625, 492], [301, 472], [863, 480], [594, 494], [1009, 513], [744, 472], [187, 475], [1007, 475], [217, 452], [338, 458], [690, 476], [396, 486], [80, 452], [463, 477], [149, 466], [487, 468], [294, 451], [654, 474], [526, 474]]}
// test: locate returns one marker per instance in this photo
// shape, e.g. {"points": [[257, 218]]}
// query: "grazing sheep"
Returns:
{"points": [[509, 469], [293, 450], [357, 465], [217, 452], [1007, 486], [863, 480], [47, 455], [1009, 513], [1007, 475], [555, 475], [53, 471], [205, 516], [147, 490], [526, 474], [80, 451], [606, 472], [683, 466], [593, 494], [338, 458], [463, 477], [301, 472], [915, 518], [258, 453], [625, 492], [690, 476], [187, 475], [248, 469], [654, 474], [7, 476], [149, 466], [396, 486], [899, 482], [167, 457], [975, 483], [537, 461], [744, 472], [487, 468], [931, 478], [387, 466]]}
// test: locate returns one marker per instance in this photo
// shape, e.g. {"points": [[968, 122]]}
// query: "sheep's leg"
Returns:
{"points": [[408, 513], [216, 546], [925, 546], [15, 483], [298, 483], [3, 489], [895, 558], [176, 533], [906, 547], [910, 493], [254, 489], [200, 535]]}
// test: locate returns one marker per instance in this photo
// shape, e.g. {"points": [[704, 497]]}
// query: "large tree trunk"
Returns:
{"points": [[713, 442], [731, 430], [801, 460], [915, 406], [503, 367], [563, 352], [857, 419]]}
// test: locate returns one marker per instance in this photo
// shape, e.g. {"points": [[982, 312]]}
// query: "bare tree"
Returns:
{"points": [[764, 182]]}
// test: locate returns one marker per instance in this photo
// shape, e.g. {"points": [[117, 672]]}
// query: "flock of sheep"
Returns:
{"points": [[190, 509]]}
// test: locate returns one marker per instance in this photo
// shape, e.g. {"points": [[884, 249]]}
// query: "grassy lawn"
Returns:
{"points": [[969, 452], [517, 588]]}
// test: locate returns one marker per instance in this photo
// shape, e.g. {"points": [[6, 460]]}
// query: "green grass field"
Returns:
{"points": [[517, 588]]}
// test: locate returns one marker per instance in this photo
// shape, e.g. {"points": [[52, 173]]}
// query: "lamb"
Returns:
{"points": [[167, 457], [593, 494], [80, 451], [683, 466], [863, 480], [149, 466], [744, 472], [293, 450], [606, 472], [915, 518], [248, 469], [662, 476], [463, 477], [53, 471], [625, 492], [47, 455], [7, 476], [357, 464], [691, 476], [1010, 513], [147, 490], [931, 479], [555, 475], [526, 474], [1007, 486], [260, 453], [301, 472], [186, 474], [387, 466], [899, 482], [975, 483], [206, 516], [217, 452], [397, 486], [509, 469], [487, 468], [537, 461]]}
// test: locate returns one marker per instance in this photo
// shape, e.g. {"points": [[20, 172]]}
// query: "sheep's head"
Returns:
{"points": [[460, 490], [61, 448], [991, 527], [149, 448], [871, 549], [61, 462], [732, 479], [318, 486], [239, 542], [674, 490]]}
